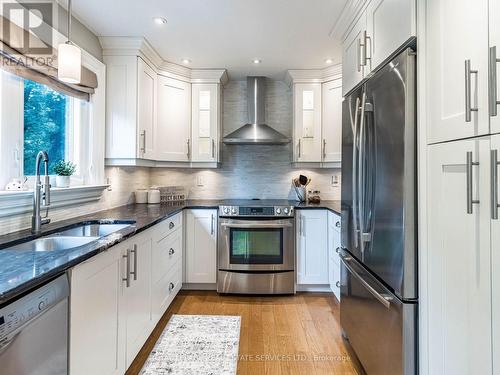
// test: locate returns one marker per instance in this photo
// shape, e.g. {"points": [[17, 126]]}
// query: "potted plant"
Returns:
{"points": [[64, 170]]}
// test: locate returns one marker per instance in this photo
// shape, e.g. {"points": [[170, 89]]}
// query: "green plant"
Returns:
{"points": [[64, 168]]}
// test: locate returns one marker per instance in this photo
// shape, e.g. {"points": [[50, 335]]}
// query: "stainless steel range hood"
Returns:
{"points": [[256, 131]]}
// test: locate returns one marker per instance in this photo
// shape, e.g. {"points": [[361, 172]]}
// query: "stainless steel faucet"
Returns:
{"points": [[38, 196]]}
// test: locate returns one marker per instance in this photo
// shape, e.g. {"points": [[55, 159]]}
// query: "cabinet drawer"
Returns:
{"points": [[165, 254], [167, 226], [165, 290]]}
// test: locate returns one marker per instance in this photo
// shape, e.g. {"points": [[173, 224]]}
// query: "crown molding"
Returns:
{"points": [[349, 16], [138, 46], [313, 75]]}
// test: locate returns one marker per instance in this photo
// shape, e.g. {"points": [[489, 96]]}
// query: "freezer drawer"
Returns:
{"points": [[380, 327]]}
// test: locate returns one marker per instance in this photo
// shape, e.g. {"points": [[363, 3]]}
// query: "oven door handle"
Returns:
{"points": [[252, 226]]}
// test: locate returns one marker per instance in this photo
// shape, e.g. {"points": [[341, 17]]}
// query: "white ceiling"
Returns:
{"points": [[284, 34]]}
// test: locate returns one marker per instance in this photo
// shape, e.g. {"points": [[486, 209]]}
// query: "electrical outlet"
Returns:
{"points": [[200, 181], [336, 180]]}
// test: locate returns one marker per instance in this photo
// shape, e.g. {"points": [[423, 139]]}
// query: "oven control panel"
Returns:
{"points": [[262, 211]]}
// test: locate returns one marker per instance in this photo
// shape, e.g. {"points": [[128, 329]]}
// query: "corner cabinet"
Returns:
{"points": [[173, 136], [206, 122], [201, 246], [159, 114], [312, 247], [317, 117]]}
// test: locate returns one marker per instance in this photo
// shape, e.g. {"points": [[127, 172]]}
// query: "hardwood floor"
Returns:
{"points": [[280, 335]]}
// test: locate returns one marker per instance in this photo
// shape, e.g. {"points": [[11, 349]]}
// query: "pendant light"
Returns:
{"points": [[69, 58]]}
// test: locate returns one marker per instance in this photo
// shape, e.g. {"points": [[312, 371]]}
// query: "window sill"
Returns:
{"points": [[20, 202]]}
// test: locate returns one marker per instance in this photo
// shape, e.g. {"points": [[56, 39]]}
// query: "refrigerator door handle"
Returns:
{"points": [[384, 299], [354, 171], [361, 192]]}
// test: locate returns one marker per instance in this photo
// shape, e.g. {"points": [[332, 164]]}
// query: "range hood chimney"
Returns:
{"points": [[256, 131]]}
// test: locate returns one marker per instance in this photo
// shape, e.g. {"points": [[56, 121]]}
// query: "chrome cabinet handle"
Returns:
{"points": [[212, 224], [135, 262], [337, 284], [468, 92], [494, 184], [364, 54], [171, 287], [470, 164], [171, 225], [358, 54], [171, 251], [143, 135], [494, 102], [213, 149], [127, 271], [188, 147], [384, 299], [299, 148], [324, 148]]}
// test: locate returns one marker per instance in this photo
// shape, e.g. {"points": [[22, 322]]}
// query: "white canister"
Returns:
{"points": [[141, 196], [153, 196]]}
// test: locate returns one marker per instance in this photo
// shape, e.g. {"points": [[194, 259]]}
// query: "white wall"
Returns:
{"points": [[251, 171]]}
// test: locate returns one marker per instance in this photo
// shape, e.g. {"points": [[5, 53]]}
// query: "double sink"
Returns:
{"points": [[71, 238]]}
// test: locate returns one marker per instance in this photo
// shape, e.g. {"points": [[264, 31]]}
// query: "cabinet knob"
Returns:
{"points": [[171, 251], [337, 224], [337, 284], [171, 225], [171, 287], [337, 250]]}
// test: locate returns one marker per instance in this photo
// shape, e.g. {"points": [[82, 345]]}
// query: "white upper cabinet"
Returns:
{"points": [[459, 265], [390, 23], [353, 71], [312, 247], [382, 27], [332, 121], [146, 110], [201, 246], [206, 122], [173, 138], [456, 69], [307, 122], [494, 55]]}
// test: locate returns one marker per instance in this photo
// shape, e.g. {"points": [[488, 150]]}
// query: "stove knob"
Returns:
{"points": [[286, 210], [234, 211], [278, 211], [226, 210]]}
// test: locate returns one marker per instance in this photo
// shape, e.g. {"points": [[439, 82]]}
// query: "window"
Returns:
{"points": [[50, 121]]}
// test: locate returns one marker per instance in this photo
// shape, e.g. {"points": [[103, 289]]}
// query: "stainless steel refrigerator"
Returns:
{"points": [[378, 305]]}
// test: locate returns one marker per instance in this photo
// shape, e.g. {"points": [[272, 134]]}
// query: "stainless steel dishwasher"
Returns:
{"points": [[34, 331]]}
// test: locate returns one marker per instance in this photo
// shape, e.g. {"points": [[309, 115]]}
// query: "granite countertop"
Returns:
{"points": [[21, 271]]}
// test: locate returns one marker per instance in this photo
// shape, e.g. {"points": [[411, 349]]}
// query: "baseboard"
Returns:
{"points": [[199, 286], [313, 288]]}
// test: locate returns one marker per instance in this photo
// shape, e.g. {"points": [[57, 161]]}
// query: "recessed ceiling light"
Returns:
{"points": [[186, 61], [328, 61], [257, 61], [159, 20]]}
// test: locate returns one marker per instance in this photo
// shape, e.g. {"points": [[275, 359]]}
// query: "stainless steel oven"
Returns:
{"points": [[256, 250]]}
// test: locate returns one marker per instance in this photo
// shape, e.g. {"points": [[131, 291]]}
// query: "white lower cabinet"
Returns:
{"points": [[137, 294], [97, 342], [118, 296], [333, 253], [312, 247], [459, 261], [201, 246]]}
